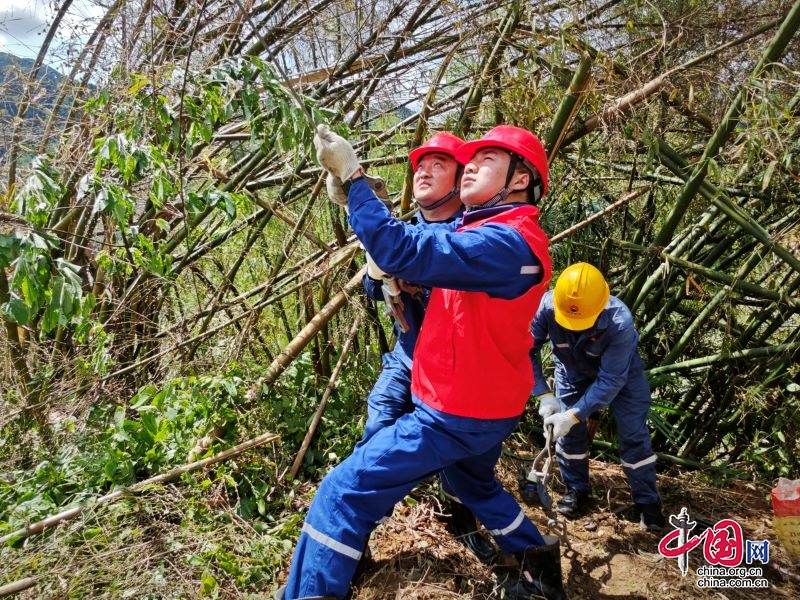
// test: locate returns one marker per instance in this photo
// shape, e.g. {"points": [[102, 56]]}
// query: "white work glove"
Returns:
{"points": [[335, 190], [374, 270], [335, 154], [562, 422], [548, 405]]}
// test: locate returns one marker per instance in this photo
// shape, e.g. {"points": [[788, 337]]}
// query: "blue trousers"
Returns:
{"points": [[629, 409], [390, 397], [358, 493]]}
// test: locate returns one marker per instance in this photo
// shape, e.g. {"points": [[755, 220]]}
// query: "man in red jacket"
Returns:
{"points": [[471, 374]]}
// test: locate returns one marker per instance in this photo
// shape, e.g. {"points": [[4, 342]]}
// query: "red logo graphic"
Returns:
{"points": [[723, 543]]}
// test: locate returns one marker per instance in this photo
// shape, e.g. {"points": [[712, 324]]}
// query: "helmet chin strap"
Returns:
{"points": [[504, 191], [493, 201], [437, 203]]}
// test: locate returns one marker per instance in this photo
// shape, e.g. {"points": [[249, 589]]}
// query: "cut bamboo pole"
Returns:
{"points": [[599, 214]]}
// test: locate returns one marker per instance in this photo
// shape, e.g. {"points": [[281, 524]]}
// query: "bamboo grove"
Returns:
{"points": [[167, 216]]}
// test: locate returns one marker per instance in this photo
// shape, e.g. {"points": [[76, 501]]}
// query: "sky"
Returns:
{"points": [[22, 26], [24, 23]]}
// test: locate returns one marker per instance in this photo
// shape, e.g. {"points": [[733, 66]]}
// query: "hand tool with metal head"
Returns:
{"points": [[534, 489]]}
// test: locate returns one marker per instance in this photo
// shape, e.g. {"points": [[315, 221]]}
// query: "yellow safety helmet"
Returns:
{"points": [[580, 295]]}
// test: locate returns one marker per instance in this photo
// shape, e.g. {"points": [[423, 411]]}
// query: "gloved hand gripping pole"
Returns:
{"points": [[394, 303]]}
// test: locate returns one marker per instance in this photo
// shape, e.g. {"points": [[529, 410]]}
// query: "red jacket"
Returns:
{"points": [[472, 357]]}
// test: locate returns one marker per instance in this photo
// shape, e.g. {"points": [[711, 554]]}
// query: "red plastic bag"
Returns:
{"points": [[786, 508]]}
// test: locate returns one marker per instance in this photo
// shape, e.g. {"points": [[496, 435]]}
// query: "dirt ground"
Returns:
{"points": [[415, 558]]}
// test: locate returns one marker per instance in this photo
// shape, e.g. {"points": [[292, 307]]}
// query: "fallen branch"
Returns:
{"points": [[167, 477], [17, 586]]}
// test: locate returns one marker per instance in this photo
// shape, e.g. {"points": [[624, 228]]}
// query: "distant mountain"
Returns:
{"points": [[14, 73]]}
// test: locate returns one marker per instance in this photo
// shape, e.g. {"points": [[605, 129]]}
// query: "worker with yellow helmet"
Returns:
{"points": [[597, 364]]}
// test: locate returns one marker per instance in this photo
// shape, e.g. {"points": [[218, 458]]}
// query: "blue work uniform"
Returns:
{"points": [[358, 493], [390, 397], [597, 368]]}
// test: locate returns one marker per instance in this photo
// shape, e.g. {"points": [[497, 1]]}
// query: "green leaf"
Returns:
{"points": [[65, 297], [768, 172], [52, 314], [17, 311], [139, 81], [229, 206], [208, 583], [9, 249]]}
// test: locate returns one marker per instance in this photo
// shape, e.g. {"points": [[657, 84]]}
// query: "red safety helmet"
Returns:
{"points": [[443, 142], [514, 139]]}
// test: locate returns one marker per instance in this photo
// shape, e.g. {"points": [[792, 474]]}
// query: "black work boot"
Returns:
{"points": [[651, 517], [464, 527], [574, 503], [540, 573]]}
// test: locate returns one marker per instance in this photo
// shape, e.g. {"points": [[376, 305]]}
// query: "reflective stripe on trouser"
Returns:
{"points": [[473, 483], [356, 494], [390, 397], [629, 409], [572, 454]]}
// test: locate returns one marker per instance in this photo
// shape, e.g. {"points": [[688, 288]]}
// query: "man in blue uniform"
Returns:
{"points": [[471, 374], [597, 364], [436, 183]]}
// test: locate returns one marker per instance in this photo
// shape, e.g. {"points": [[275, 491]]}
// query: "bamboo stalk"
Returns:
{"points": [[490, 62], [599, 215], [641, 284], [720, 136], [15, 343], [736, 282], [568, 107], [324, 401], [721, 357], [695, 180], [168, 477], [305, 335], [625, 103]]}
